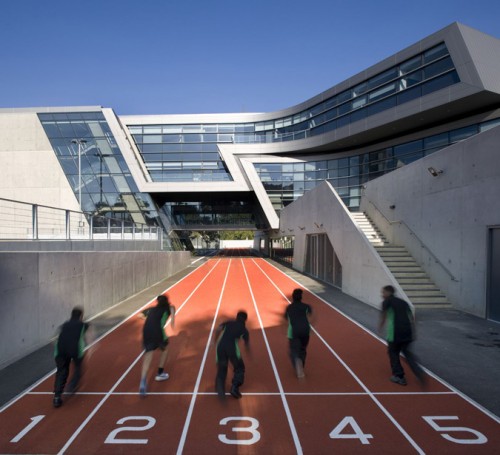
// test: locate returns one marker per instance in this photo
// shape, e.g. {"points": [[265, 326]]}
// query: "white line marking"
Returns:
{"points": [[189, 415], [381, 340], [356, 378], [298, 394], [50, 373], [199, 259], [117, 383], [291, 423]]}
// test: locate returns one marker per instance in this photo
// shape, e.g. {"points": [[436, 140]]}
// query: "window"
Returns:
{"points": [[435, 53], [440, 82]]}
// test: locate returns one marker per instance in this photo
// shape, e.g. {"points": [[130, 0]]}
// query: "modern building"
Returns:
{"points": [[239, 171]]}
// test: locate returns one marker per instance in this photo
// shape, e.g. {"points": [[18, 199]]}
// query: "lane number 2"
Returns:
{"points": [[112, 437], [479, 438], [252, 429], [336, 433]]}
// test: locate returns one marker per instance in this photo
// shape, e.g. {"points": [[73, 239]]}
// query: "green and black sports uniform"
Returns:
{"points": [[229, 351], [153, 332], [400, 335], [298, 329], [69, 347]]}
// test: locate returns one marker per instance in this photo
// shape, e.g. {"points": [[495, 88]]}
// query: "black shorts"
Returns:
{"points": [[153, 344]]}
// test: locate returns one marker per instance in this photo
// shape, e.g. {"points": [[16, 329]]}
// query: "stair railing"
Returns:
{"points": [[419, 240]]}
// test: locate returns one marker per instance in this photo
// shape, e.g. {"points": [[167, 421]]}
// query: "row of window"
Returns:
{"points": [[399, 78], [285, 182]]}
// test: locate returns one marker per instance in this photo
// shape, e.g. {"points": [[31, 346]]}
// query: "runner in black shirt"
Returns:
{"points": [[69, 347], [399, 320], [155, 337], [228, 334], [297, 314]]}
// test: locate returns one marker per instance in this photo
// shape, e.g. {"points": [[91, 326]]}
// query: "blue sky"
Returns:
{"points": [[186, 56]]}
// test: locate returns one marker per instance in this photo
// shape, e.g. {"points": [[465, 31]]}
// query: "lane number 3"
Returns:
{"points": [[251, 429]]}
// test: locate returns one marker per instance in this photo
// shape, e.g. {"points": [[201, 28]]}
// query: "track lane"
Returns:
{"points": [[205, 426]]}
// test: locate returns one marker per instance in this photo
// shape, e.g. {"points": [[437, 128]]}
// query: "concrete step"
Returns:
{"points": [[425, 293], [415, 281], [409, 269], [386, 255], [394, 248], [401, 262], [399, 275], [429, 300], [423, 286]]}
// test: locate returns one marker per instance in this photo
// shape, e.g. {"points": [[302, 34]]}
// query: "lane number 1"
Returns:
{"points": [[34, 422]]}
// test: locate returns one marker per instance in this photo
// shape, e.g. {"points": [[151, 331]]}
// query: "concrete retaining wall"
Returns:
{"points": [[38, 289]]}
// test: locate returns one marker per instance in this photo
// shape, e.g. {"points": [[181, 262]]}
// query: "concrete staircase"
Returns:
{"points": [[419, 288]]}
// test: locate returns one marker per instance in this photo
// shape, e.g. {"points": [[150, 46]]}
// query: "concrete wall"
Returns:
{"points": [[322, 211], [29, 169], [449, 213], [38, 290]]}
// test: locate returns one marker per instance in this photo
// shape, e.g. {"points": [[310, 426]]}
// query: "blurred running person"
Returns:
{"points": [[228, 335], [69, 348], [298, 314], [398, 318], [155, 337]]}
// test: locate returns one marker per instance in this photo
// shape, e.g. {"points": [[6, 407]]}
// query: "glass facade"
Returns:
{"points": [[285, 182], [107, 186]]}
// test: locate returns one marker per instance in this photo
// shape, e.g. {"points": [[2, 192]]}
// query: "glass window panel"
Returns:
{"points": [[81, 129], [137, 138], [95, 128], [259, 126], [151, 139], [171, 129], [409, 147], [169, 147], [382, 92], [383, 77], [209, 128], [172, 165], [298, 167], [192, 137], [60, 116], [67, 129], [358, 115], [359, 102], [112, 164], [210, 138], [192, 147], [152, 148], [52, 129], [135, 129], [157, 129], [287, 121], [344, 108], [410, 65], [225, 138], [103, 146], [436, 141], [440, 82], [435, 53], [344, 96], [463, 133], [121, 183], [381, 105], [227, 128], [151, 157], [438, 67], [411, 79], [172, 138], [409, 94], [485, 126], [343, 121]]}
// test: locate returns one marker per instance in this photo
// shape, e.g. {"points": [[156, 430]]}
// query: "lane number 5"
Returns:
{"points": [[479, 438]]}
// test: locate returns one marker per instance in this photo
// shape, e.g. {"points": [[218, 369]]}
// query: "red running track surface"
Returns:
{"points": [[344, 405]]}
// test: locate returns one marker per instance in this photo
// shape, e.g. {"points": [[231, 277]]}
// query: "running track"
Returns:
{"points": [[345, 405]]}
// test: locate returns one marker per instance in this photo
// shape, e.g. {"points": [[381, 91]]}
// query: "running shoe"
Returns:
{"points": [[57, 402], [299, 368], [399, 380], [143, 388], [162, 377], [235, 392]]}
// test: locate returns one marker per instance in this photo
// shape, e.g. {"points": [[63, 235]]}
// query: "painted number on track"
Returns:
{"points": [[34, 422], [112, 437], [479, 438], [251, 429], [336, 433]]}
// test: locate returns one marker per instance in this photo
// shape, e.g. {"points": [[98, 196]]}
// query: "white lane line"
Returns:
{"points": [[117, 383], [354, 375], [189, 415], [291, 423], [381, 340], [50, 373], [297, 394]]}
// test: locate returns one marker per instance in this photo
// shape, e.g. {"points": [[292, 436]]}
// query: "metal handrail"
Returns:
{"points": [[413, 233], [62, 229]]}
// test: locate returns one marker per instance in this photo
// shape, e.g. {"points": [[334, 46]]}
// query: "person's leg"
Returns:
{"points": [[238, 375], [412, 361], [62, 364], [398, 374], [77, 374], [162, 376], [220, 379], [146, 364], [304, 342]]}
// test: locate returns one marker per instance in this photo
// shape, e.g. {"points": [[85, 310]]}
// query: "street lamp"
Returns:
{"points": [[80, 143]]}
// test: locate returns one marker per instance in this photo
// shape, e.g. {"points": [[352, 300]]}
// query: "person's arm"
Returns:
{"points": [[218, 333], [383, 317], [172, 316]]}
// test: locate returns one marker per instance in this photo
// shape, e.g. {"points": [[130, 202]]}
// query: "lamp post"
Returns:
{"points": [[80, 143]]}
